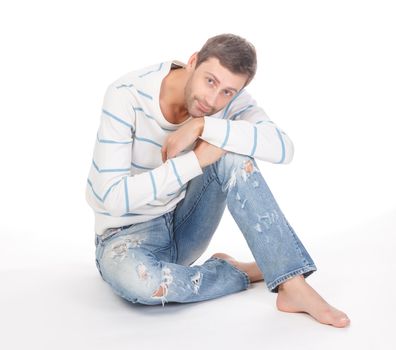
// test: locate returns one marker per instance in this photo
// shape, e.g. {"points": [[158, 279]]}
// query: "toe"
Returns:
{"points": [[343, 322]]}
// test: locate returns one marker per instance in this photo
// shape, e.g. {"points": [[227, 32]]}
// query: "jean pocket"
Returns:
{"points": [[108, 234], [112, 232]]}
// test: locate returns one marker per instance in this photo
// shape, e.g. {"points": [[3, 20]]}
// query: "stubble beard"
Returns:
{"points": [[189, 99]]}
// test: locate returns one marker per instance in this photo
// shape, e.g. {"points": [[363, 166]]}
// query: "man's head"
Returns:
{"points": [[223, 67]]}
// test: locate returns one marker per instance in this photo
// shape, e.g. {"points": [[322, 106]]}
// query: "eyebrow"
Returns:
{"points": [[218, 81]]}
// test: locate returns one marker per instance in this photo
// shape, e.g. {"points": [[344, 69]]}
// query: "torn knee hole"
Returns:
{"points": [[142, 272], [160, 292], [249, 166]]}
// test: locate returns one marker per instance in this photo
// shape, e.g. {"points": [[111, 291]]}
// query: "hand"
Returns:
{"points": [[183, 137], [207, 153]]}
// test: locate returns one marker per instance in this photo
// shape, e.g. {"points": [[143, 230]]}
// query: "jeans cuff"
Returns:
{"points": [[243, 273], [305, 271]]}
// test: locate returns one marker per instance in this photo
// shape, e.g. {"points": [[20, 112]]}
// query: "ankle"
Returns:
{"points": [[291, 282]]}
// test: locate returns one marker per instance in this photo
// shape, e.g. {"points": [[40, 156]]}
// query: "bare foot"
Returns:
{"points": [[251, 269], [296, 295]]}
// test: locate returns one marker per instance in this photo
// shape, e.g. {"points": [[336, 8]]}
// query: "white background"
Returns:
{"points": [[326, 76]]}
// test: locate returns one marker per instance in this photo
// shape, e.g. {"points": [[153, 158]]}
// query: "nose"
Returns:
{"points": [[210, 99]]}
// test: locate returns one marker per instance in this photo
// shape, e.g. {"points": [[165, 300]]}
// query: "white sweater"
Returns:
{"points": [[129, 183]]}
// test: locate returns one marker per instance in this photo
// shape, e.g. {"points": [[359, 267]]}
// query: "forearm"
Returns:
{"points": [[120, 195], [264, 141]]}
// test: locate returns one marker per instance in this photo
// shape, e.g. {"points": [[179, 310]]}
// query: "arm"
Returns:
{"points": [[245, 128], [110, 186]]}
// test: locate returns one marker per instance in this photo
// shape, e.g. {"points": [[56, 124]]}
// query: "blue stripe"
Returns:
{"points": [[151, 71], [117, 118], [139, 109], [126, 195], [175, 171], [254, 142], [183, 188], [227, 134], [108, 170], [147, 140], [144, 94], [108, 214], [112, 141], [102, 213], [283, 147], [230, 103], [166, 203], [240, 112], [107, 192], [141, 167], [149, 116], [153, 182], [96, 195], [167, 129], [264, 121], [124, 85]]}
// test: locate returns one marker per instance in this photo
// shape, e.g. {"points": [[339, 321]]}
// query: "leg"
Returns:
{"points": [[280, 255], [137, 263], [234, 179], [275, 246], [196, 218]]}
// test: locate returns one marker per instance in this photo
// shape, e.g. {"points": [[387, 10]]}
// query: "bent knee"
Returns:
{"points": [[136, 275]]}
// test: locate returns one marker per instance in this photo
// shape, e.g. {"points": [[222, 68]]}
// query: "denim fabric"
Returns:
{"points": [[150, 262]]}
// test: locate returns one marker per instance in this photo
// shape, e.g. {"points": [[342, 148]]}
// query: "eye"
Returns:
{"points": [[227, 93], [210, 81]]}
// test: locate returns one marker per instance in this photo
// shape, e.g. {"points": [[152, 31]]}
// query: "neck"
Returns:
{"points": [[172, 100]]}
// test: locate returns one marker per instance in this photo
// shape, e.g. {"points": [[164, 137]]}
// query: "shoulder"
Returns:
{"points": [[132, 77]]}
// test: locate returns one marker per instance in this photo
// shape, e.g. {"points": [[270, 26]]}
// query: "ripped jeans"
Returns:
{"points": [[149, 262]]}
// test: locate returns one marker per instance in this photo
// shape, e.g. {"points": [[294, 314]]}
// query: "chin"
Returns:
{"points": [[196, 115]]}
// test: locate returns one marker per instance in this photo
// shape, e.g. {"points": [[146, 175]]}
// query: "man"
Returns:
{"points": [[176, 144]]}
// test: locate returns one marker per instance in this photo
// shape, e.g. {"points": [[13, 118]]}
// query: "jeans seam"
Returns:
{"points": [[195, 203], [244, 274], [295, 240], [302, 270], [216, 176]]}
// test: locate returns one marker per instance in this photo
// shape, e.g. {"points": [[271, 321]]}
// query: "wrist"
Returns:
{"points": [[199, 122]]}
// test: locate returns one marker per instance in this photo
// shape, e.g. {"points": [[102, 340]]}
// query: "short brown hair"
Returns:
{"points": [[234, 53]]}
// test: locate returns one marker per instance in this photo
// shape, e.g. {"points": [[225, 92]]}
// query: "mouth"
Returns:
{"points": [[202, 107]]}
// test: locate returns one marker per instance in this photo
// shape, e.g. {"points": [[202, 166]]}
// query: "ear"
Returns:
{"points": [[192, 61]]}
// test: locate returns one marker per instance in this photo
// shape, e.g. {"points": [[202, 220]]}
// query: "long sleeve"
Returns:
{"points": [[111, 189], [245, 128]]}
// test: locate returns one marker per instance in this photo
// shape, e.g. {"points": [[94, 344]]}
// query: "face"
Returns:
{"points": [[210, 87]]}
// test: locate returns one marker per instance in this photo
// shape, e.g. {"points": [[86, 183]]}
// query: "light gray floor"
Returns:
{"points": [[65, 304]]}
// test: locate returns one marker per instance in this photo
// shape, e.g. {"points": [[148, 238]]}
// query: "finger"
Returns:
{"points": [[169, 152], [163, 151]]}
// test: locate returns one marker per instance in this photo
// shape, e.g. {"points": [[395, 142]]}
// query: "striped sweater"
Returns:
{"points": [[128, 182]]}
